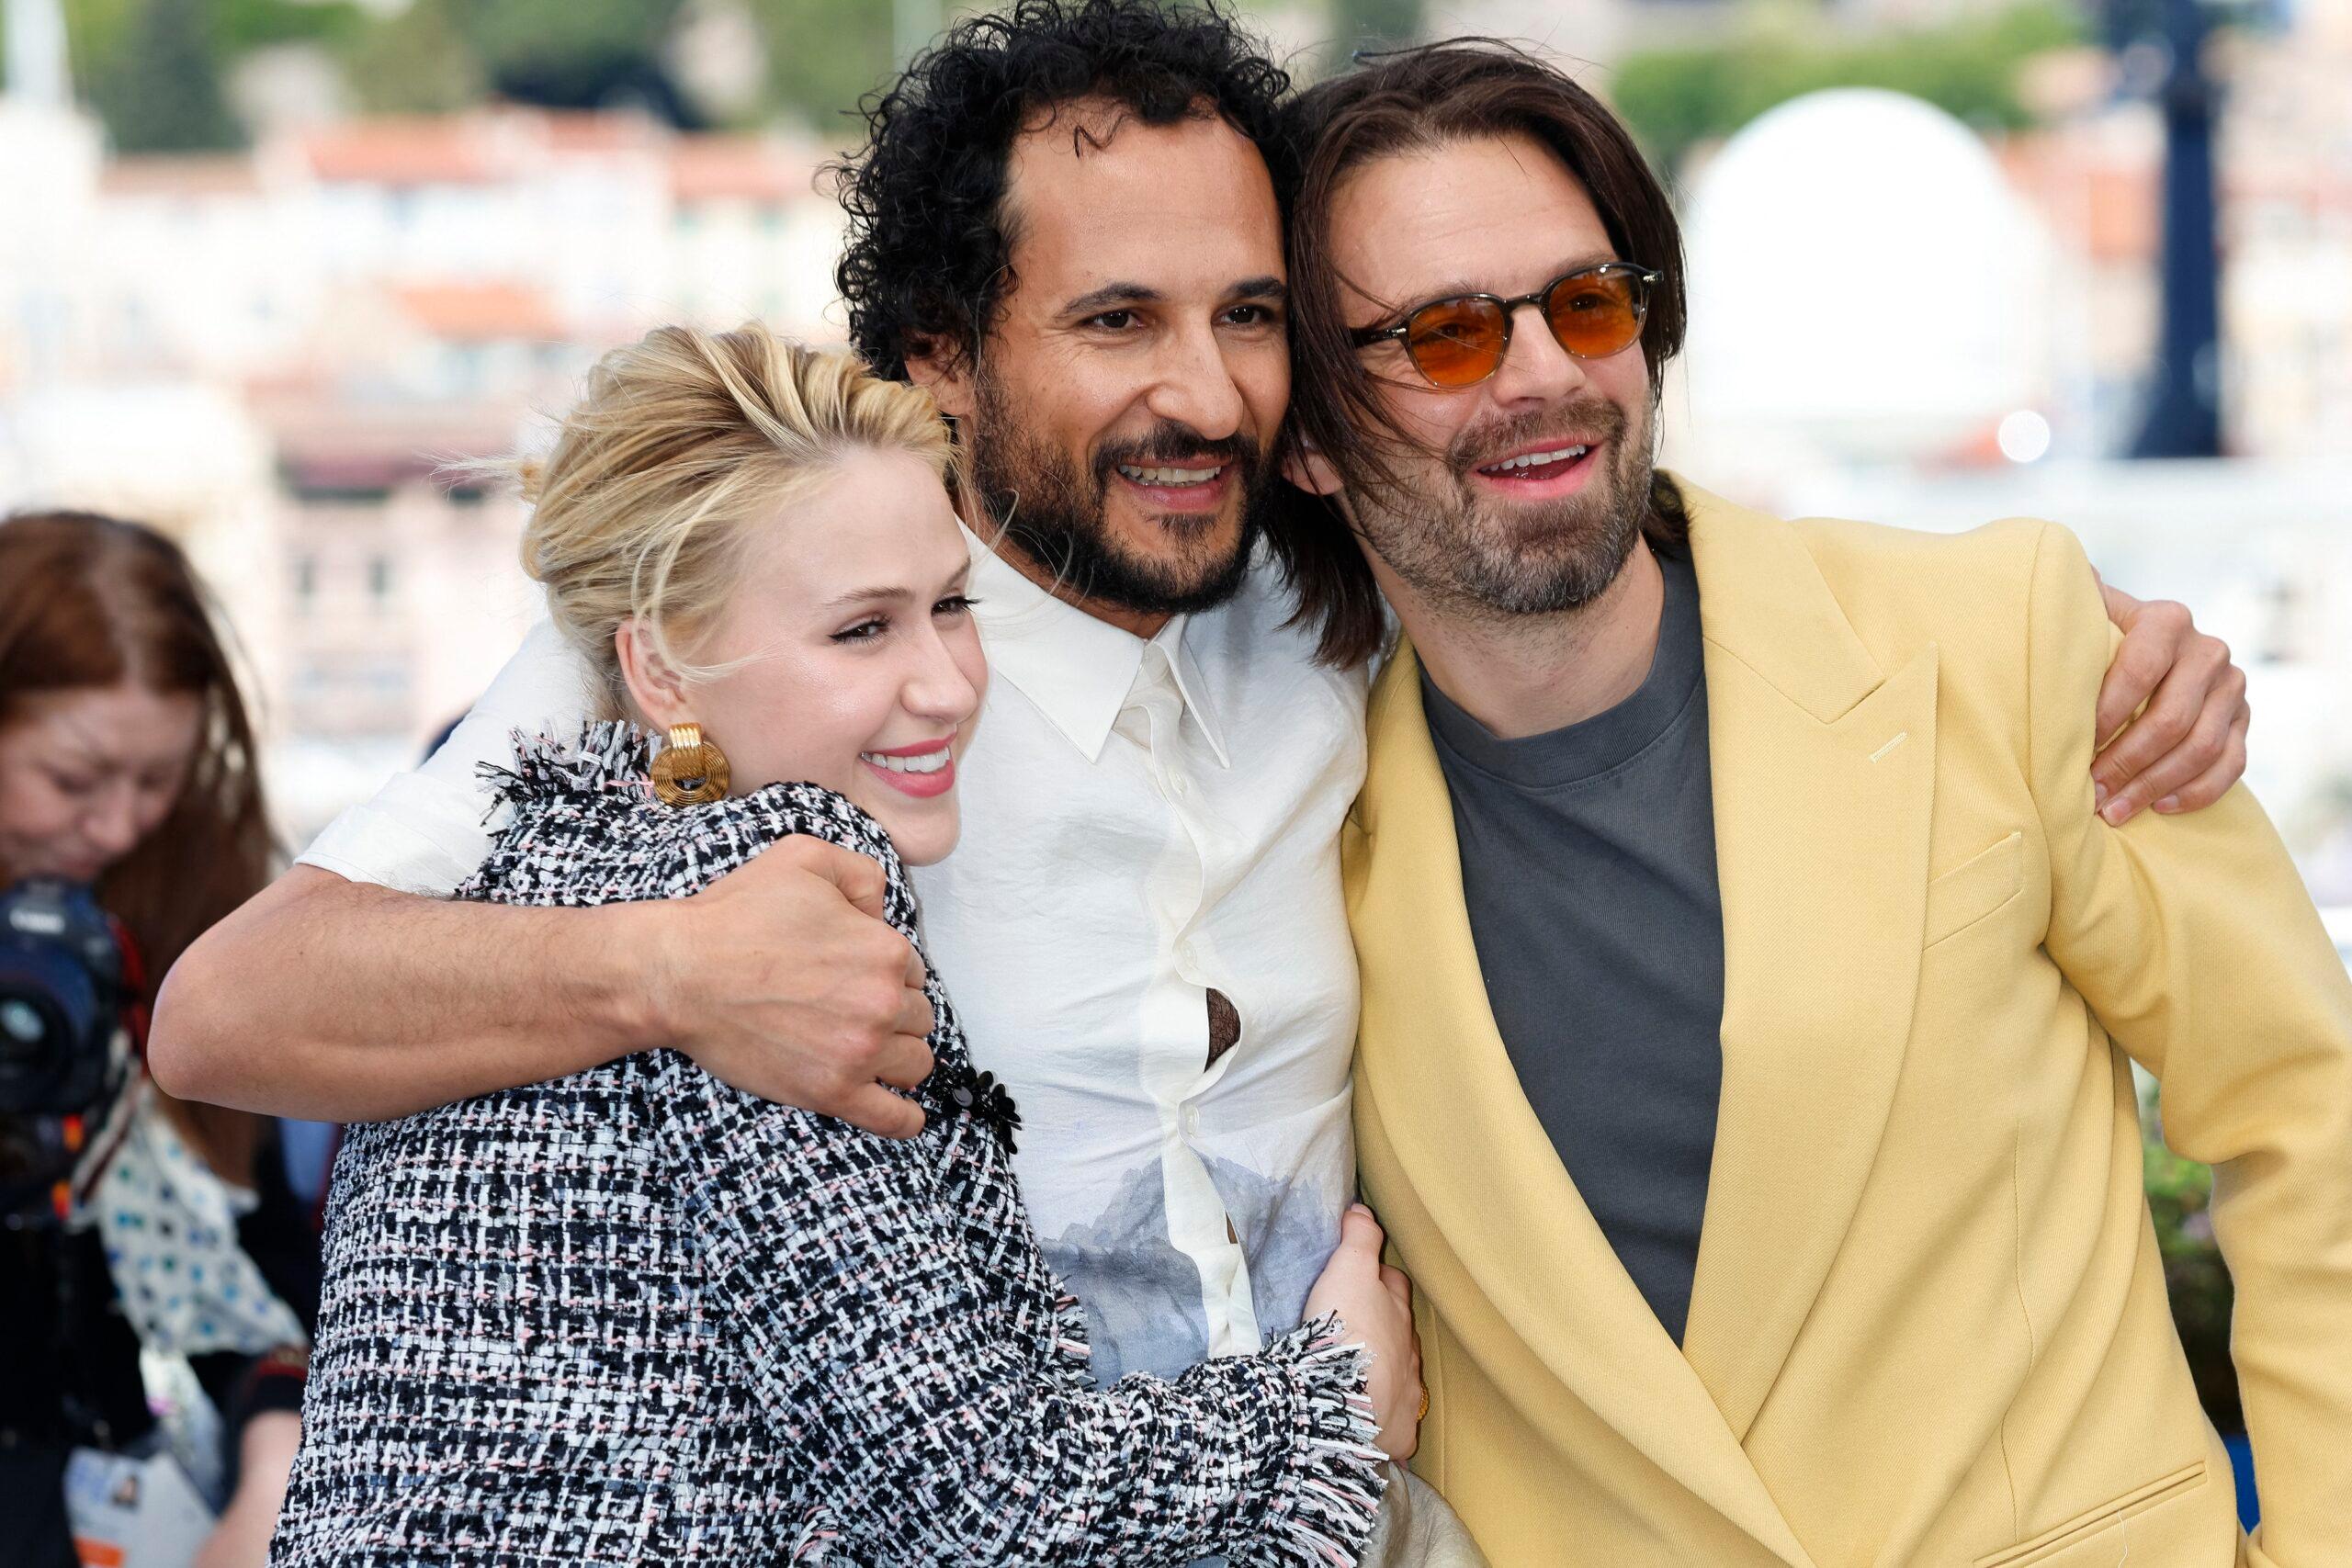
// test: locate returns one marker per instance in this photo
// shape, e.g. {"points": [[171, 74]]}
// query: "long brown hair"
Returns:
{"points": [[1414, 100], [88, 603]]}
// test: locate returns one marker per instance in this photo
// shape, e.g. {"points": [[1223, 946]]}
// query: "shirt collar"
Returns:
{"points": [[1076, 670], [1192, 685]]}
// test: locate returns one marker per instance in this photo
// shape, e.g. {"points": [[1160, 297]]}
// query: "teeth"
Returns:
{"points": [[1170, 476], [1538, 459], [929, 763]]}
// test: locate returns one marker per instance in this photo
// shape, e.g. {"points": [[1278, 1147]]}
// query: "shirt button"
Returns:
{"points": [[1182, 786], [1192, 1120]]}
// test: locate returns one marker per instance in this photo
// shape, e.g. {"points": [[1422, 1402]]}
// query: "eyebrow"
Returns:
{"points": [[1453, 288], [868, 596], [893, 595], [1113, 294]]}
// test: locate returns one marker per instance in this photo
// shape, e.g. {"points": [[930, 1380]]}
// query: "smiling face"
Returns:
{"points": [[860, 669], [87, 773], [1524, 494], [1122, 408]]}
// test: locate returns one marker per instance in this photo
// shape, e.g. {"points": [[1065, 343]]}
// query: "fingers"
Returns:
{"points": [[876, 1110], [800, 992], [895, 1048], [2183, 736], [905, 1061], [2152, 637], [914, 1019], [1359, 1232], [858, 876], [2202, 752], [2214, 782], [1399, 1284]]}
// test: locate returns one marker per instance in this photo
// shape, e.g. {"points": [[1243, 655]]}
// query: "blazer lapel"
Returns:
{"points": [[1823, 777], [1478, 1159]]}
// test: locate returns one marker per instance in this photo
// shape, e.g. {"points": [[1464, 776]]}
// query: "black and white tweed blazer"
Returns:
{"points": [[635, 1315]]}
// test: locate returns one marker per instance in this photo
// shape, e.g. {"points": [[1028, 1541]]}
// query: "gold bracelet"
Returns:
{"points": [[1423, 1414]]}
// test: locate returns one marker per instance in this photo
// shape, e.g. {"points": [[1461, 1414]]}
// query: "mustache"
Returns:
{"points": [[1497, 439], [1171, 444]]}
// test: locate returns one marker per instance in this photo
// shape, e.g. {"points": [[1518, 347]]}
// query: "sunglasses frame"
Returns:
{"points": [[1644, 279]]}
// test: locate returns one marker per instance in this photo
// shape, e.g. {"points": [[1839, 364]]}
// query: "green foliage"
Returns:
{"points": [[575, 53], [153, 70], [822, 56], [241, 24], [2180, 1196], [419, 61], [158, 87], [571, 45], [1359, 24], [1677, 98]]}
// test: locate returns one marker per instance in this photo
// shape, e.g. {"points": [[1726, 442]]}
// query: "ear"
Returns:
{"points": [[656, 688], [1305, 466], [946, 376]]}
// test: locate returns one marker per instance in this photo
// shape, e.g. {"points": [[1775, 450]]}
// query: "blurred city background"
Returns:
{"points": [[266, 266]]}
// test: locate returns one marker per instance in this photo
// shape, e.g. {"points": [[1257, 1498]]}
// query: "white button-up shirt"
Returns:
{"points": [[1143, 821]]}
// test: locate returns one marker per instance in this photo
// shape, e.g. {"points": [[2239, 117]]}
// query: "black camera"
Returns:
{"points": [[64, 1053], [61, 995]]}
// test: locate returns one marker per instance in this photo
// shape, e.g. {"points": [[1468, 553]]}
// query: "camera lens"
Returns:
{"points": [[20, 1022]]}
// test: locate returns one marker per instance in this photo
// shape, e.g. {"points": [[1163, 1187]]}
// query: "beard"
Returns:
{"points": [[1059, 517], [1498, 559]]}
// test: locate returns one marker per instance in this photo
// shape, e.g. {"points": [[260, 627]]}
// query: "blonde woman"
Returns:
{"points": [[634, 1315]]}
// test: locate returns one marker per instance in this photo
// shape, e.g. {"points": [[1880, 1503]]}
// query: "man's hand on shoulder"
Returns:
{"points": [[782, 980], [2186, 750]]}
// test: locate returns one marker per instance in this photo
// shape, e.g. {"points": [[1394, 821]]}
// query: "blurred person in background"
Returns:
{"points": [[130, 819]]}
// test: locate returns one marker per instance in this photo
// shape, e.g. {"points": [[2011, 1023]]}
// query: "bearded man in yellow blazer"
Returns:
{"points": [[1923, 1321]]}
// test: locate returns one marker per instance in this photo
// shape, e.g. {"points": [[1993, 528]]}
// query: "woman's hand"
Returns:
{"points": [[1375, 1307]]}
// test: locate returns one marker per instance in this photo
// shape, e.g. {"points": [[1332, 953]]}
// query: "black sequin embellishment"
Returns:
{"points": [[978, 1096]]}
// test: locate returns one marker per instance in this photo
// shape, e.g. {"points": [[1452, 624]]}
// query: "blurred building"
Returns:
{"points": [[279, 355], [1900, 405]]}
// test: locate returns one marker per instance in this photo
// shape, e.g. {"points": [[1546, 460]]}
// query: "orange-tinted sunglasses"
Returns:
{"points": [[1460, 341]]}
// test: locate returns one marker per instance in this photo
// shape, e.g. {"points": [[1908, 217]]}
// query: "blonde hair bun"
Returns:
{"points": [[682, 443]]}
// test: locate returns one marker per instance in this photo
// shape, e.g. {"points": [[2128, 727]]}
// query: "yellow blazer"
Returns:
{"points": [[1929, 1325]]}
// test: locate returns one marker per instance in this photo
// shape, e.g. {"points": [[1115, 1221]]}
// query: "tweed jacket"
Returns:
{"points": [[635, 1315]]}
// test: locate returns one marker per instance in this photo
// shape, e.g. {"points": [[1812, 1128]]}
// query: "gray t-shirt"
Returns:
{"points": [[1589, 869]]}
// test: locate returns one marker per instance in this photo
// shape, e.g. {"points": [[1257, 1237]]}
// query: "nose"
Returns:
{"points": [[111, 823], [1535, 369], [1195, 387], [936, 688]]}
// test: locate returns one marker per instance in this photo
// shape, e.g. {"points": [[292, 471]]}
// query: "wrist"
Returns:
{"points": [[639, 1003]]}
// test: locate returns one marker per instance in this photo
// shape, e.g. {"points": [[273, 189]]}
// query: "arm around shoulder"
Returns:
{"points": [[2193, 940], [344, 1001], [341, 1000]]}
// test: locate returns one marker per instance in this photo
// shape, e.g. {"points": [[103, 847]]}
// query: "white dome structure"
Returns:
{"points": [[1864, 286]]}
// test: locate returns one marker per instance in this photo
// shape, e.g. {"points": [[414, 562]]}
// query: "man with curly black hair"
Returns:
{"points": [[1123, 149]]}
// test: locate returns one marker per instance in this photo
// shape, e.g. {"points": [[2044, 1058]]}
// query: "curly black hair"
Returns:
{"points": [[929, 255]]}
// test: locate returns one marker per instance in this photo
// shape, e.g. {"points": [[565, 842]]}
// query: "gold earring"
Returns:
{"points": [[690, 771]]}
